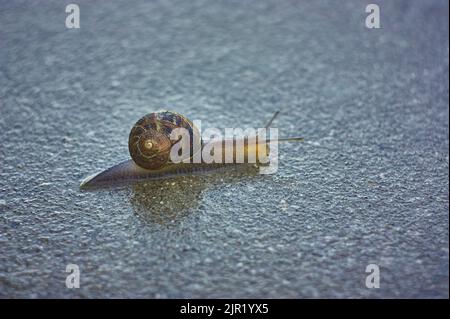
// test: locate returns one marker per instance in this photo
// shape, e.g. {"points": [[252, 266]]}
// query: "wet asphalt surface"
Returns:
{"points": [[369, 184]]}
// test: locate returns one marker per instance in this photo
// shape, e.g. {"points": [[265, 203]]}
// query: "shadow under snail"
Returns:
{"points": [[149, 144]]}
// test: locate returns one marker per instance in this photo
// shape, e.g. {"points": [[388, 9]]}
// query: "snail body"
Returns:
{"points": [[150, 143]]}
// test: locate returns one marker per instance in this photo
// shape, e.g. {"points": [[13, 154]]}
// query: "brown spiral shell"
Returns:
{"points": [[149, 142]]}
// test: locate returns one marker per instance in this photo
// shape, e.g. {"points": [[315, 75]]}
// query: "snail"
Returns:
{"points": [[150, 143]]}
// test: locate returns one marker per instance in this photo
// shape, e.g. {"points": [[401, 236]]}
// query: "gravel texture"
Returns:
{"points": [[369, 185]]}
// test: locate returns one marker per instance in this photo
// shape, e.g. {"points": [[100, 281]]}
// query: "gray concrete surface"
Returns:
{"points": [[370, 184]]}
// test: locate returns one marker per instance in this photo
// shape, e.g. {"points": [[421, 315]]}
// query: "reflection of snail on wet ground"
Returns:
{"points": [[150, 146], [167, 201]]}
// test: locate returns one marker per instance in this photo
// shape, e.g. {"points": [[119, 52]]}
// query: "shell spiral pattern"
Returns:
{"points": [[149, 142]]}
